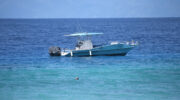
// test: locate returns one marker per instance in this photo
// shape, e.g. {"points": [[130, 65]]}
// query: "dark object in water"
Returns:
{"points": [[77, 78], [55, 51]]}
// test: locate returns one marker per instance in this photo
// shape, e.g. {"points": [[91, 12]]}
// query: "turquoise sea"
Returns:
{"points": [[151, 71]]}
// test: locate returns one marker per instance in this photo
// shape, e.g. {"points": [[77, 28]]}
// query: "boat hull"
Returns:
{"points": [[107, 50]]}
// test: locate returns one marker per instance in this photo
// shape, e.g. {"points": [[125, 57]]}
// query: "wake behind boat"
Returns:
{"points": [[85, 47]]}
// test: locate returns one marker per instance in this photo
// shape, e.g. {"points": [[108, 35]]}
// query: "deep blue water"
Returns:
{"points": [[151, 71]]}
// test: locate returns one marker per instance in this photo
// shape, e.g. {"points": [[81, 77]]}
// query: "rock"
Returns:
{"points": [[55, 51]]}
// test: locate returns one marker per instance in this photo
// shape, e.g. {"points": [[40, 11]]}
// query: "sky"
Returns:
{"points": [[89, 8]]}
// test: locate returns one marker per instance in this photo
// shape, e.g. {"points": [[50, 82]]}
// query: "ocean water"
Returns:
{"points": [[151, 71]]}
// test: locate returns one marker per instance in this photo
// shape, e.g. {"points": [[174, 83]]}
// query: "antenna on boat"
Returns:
{"points": [[79, 28]]}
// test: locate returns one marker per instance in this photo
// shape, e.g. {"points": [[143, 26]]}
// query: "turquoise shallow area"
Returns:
{"points": [[100, 78], [151, 71]]}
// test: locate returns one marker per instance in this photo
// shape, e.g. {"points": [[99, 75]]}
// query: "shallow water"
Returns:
{"points": [[150, 71]]}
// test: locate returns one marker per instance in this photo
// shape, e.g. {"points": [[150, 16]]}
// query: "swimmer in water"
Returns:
{"points": [[77, 78]]}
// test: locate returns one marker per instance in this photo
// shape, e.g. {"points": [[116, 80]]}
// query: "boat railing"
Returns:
{"points": [[66, 50]]}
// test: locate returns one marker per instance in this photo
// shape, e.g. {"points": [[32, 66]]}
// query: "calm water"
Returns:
{"points": [[150, 71]]}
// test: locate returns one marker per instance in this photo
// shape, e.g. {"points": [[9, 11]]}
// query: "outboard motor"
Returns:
{"points": [[55, 51]]}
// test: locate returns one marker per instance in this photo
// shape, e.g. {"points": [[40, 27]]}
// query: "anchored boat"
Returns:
{"points": [[85, 47]]}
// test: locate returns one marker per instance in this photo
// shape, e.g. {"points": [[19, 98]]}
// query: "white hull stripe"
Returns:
{"points": [[90, 53], [71, 53]]}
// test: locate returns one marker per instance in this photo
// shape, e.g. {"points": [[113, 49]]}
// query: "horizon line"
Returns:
{"points": [[94, 18]]}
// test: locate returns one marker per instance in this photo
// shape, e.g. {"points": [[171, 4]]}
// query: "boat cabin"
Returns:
{"points": [[84, 42], [84, 45]]}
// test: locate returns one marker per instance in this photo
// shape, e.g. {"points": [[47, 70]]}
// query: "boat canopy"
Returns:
{"points": [[83, 34]]}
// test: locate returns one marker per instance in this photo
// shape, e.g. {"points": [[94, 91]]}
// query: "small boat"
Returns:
{"points": [[85, 47]]}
